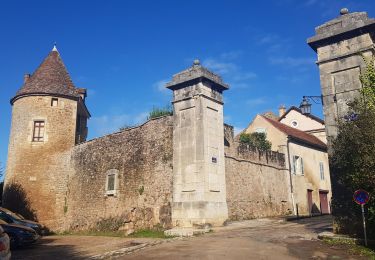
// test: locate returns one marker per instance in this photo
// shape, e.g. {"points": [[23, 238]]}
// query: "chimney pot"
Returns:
{"points": [[26, 77], [282, 110]]}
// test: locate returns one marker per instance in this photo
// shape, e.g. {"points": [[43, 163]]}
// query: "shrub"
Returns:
{"points": [[353, 159], [158, 112], [257, 140]]}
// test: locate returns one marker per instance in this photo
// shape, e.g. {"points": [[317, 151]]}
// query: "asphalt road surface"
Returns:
{"points": [[251, 239]]}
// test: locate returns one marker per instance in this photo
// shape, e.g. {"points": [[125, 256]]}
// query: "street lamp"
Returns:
{"points": [[305, 105]]}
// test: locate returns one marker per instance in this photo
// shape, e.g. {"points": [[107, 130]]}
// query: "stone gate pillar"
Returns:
{"points": [[339, 44], [199, 189]]}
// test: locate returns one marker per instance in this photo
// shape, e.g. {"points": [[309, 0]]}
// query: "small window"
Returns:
{"points": [[38, 131], [111, 182], [294, 124], [54, 102], [260, 130], [321, 170], [297, 165]]}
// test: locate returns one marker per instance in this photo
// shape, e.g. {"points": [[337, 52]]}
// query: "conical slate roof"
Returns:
{"points": [[50, 78]]}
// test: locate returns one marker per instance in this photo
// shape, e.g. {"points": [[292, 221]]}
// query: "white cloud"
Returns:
{"points": [[291, 61], [232, 73], [140, 118], [107, 124], [160, 85], [227, 118], [256, 101], [238, 130], [244, 76], [231, 55], [220, 67]]}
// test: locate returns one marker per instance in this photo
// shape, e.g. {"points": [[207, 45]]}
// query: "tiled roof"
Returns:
{"points": [[299, 110], [51, 77], [297, 134]]}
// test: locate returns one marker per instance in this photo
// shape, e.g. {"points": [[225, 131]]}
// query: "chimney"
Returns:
{"points": [[26, 77], [282, 110], [82, 92]]}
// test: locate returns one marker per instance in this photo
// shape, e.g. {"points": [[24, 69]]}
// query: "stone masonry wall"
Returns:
{"points": [[36, 174], [257, 182], [143, 157]]}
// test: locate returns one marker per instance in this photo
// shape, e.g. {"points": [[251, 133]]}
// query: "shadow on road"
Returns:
{"points": [[316, 224], [46, 249]]}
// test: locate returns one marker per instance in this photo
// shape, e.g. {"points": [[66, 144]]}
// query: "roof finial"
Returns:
{"points": [[196, 62], [54, 47], [344, 11]]}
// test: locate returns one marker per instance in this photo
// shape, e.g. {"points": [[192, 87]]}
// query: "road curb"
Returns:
{"points": [[136, 247]]}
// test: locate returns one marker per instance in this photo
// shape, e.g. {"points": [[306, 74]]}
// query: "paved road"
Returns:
{"points": [[253, 239]]}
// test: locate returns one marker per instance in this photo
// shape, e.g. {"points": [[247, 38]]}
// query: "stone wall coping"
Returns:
{"points": [[254, 162], [125, 130], [239, 149]]}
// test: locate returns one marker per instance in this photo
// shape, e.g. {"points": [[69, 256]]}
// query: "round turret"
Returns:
{"points": [[48, 118]]}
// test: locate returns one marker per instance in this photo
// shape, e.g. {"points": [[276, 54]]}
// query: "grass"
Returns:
{"points": [[352, 247], [149, 233], [145, 233]]}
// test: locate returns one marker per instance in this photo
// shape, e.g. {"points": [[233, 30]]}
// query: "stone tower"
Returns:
{"points": [[339, 44], [199, 191], [49, 117]]}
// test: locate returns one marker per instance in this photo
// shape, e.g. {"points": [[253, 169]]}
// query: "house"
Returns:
{"points": [[306, 156], [305, 122]]}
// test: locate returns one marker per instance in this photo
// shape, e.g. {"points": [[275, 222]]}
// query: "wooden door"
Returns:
{"points": [[324, 207], [309, 201]]}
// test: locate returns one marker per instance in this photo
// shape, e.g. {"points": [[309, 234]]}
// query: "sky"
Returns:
{"points": [[124, 52]]}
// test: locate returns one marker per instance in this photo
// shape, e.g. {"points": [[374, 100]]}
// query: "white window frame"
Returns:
{"points": [[41, 135], [297, 165], [261, 130], [114, 192], [321, 171]]}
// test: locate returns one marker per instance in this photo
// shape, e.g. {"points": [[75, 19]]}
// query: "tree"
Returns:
{"points": [[257, 140], [353, 159]]}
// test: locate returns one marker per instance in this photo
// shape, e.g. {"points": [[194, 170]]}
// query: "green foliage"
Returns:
{"points": [[65, 206], [158, 112], [368, 83], [150, 233], [353, 160], [351, 246], [141, 190], [257, 140], [109, 224]]}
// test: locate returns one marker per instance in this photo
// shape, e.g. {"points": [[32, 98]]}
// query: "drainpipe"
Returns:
{"points": [[290, 177]]}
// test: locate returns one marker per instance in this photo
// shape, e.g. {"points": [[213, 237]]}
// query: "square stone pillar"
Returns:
{"points": [[199, 188], [340, 44]]}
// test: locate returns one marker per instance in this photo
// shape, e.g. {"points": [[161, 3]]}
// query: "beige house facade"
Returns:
{"points": [[307, 160], [308, 123]]}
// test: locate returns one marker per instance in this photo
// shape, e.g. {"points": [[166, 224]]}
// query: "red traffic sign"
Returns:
{"points": [[361, 197]]}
